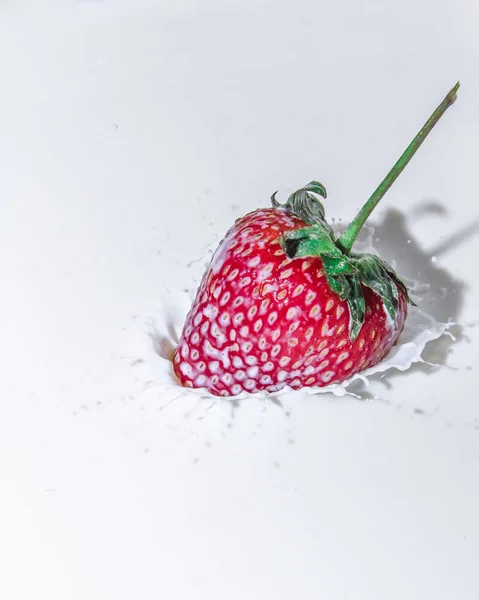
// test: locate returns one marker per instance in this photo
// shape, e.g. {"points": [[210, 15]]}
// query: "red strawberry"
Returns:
{"points": [[284, 303]]}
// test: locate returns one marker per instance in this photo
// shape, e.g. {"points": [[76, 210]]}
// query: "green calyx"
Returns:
{"points": [[348, 272], [305, 204]]}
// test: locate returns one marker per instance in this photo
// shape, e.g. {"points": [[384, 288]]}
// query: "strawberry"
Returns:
{"points": [[284, 303]]}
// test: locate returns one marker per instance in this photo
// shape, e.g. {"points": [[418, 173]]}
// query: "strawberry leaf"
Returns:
{"points": [[337, 265], [305, 204], [375, 276], [339, 285], [308, 241], [379, 276], [357, 307]]}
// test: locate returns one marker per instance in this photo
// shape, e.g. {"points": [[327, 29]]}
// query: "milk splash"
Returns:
{"points": [[165, 325]]}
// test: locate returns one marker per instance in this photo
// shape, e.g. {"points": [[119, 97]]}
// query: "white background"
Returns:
{"points": [[132, 134]]}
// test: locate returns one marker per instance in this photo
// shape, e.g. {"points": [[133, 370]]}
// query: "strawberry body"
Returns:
{"points": [[263, 321]]}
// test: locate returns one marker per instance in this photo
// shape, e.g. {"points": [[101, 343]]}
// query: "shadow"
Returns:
{"points": [[163, 346], [439, 293], [442, 294], [457, 239], [428, 207]]}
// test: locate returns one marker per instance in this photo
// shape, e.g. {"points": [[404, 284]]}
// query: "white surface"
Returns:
{"points": [[132, 134]]}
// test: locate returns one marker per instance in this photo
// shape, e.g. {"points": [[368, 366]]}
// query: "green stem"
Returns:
{"points": [[346, 241]]}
